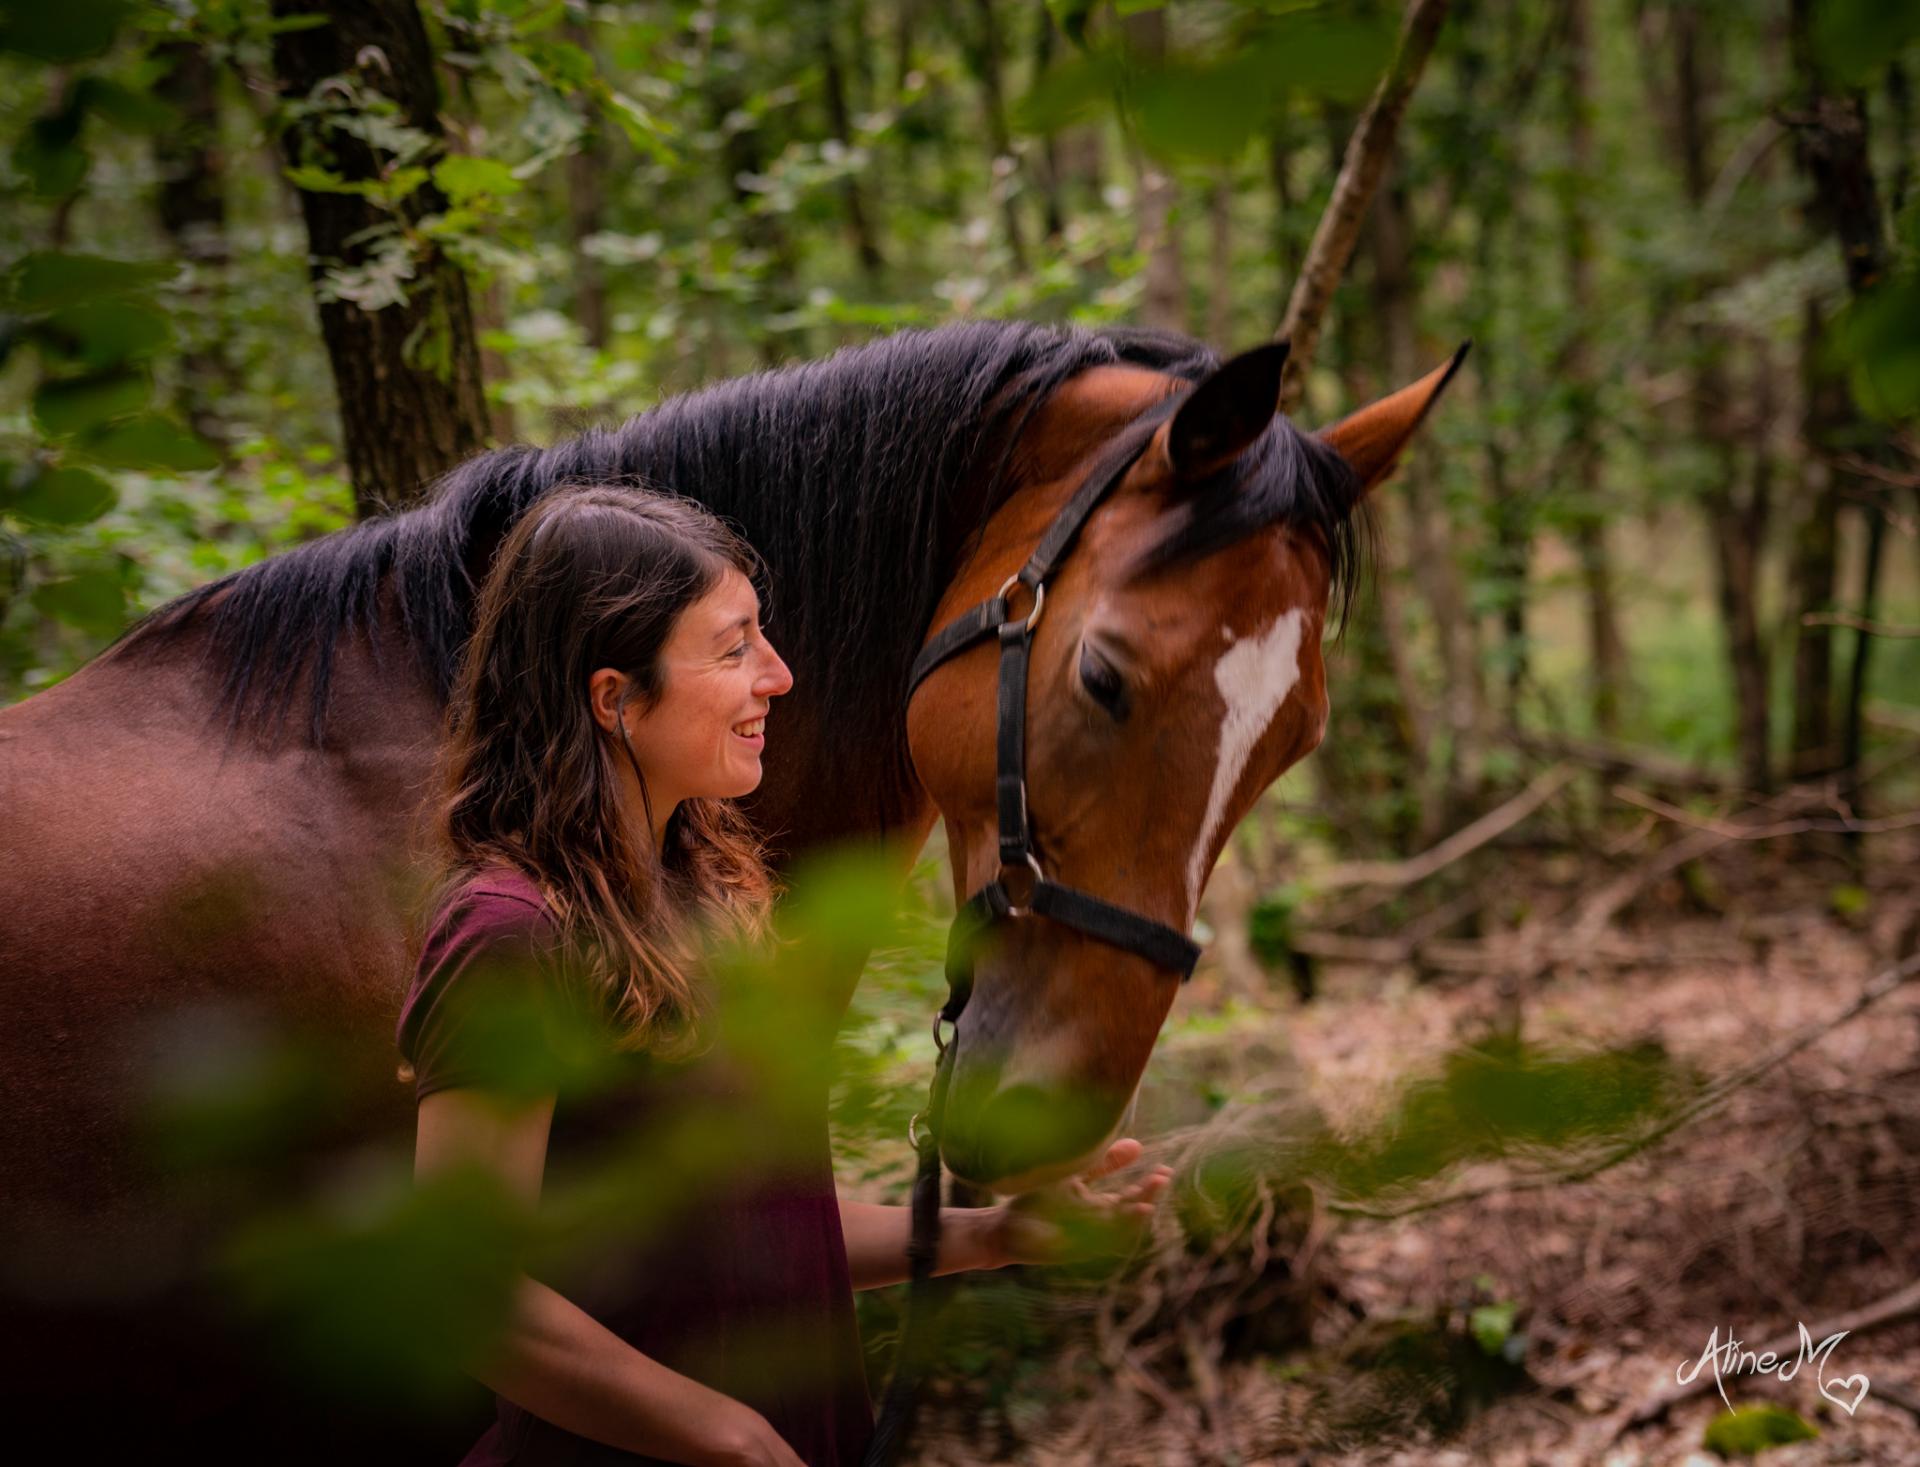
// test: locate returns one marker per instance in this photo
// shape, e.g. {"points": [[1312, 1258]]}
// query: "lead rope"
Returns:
{"points": [[927, 1296]]}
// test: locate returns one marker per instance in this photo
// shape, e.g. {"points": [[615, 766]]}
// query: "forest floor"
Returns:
{"points": [[1793, 1202]]}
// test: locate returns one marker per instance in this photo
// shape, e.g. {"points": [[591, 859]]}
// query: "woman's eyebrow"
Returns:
{"points": [[733, 627]]}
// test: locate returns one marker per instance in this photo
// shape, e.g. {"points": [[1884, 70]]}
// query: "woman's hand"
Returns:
{"points": [[742, 1437], [1073, 1220]]}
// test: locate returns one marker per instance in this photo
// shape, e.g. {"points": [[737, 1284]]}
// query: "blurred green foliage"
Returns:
{"points": [[1750, 1430]]}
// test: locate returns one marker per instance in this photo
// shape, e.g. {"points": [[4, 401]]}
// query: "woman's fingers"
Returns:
{"points": [[1119, 1156]]}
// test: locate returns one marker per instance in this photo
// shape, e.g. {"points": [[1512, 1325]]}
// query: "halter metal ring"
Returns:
{"points": [[1039, 597], [913, 1129], [1033, 861]]}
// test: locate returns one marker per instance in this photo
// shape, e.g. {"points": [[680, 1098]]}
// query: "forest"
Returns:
{"points": [[1558, 1011]]}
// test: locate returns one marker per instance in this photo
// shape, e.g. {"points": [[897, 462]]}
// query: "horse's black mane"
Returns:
{"points": [[841, 472]]}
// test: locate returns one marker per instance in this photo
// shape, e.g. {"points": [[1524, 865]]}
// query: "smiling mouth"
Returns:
{"points": [[752, 728]]}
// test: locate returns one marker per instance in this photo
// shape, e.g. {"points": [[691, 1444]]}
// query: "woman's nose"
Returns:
{"points": [[777, 678]]}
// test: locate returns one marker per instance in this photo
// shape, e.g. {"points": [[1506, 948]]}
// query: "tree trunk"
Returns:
{"points": [[1736, 523], [1220, 263], [1051, 148], [1607, 668], [985, 51], [1285, 252], [1165, 303], [586, 206], [408, 374], [1431, 552], [866, 241], [192, 204], [1830, 136], [1816, 543], [1339, 227]]}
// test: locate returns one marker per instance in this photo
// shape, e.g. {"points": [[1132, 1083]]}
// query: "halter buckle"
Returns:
{"points": [[1039, 597]]}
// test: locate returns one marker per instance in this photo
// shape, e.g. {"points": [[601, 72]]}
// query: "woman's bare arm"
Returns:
{"points": [[554, 1359], [877, 1236]]}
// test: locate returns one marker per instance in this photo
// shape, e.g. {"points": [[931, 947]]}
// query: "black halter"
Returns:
{"points": [[1159, 944], [1164, 946]]}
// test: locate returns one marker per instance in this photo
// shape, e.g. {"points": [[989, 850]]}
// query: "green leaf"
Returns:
{"points": [[310, 20], [1078, 90], [64, 497], [149, 441], [66, 405], [1492, 1326], [540, 20], [124, 107], [1208, 112], [47, 280], [1855, 39], [1334, 53], [463, 178], [60, 30], [1879, 335], [50, 157], [1850, 902], [105, 333], [1752, 1429], [94, 601]]}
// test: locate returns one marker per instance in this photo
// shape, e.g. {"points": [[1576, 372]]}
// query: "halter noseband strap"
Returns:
{"points": [[1159, 944]]}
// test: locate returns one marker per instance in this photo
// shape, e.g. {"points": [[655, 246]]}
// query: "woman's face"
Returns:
{"points": [[719, 675]]}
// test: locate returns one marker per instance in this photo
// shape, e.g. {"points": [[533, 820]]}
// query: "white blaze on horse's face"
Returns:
{"points": [[1255, 677]]}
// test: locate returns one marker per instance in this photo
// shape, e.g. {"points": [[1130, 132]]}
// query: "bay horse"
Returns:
{"points": [[220, 814]]}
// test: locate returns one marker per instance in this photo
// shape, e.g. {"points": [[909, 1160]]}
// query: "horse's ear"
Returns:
{"points": [[1371, 439], [1224, 415]]}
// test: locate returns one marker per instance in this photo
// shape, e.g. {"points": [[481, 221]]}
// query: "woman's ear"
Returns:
{"points": [[605, 687]]}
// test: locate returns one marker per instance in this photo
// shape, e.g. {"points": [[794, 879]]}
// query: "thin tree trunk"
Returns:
{"points": [[985, 50], [1607, 667], [866, 241], [1431, 551], [1736, 525], [1816, 542], [586, 206], [1510, 520], [1220, 262], [1165, 303], [1285, 251], [742, 157], [1051, 152], [1831, 140], [192, 204], [407, 375], [1339, 227]]}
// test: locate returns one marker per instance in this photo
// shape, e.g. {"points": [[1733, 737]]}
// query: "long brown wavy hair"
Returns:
{"points": [[595, 576]]}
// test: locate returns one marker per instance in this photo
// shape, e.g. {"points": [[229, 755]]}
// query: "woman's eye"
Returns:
{"points": [[740, 651], [1103, 684]]}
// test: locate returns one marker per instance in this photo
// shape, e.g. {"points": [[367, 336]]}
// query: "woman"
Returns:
{"points": [[613, 700]]}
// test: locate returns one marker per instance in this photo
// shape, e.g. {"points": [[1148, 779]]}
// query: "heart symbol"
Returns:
{"points": [[1835, 1391]]}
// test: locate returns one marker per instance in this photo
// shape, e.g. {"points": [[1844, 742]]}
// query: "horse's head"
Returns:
{"points": [[1174, 673]]}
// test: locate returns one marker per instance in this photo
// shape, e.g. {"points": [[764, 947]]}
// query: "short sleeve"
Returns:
{"points": [[489, 1006]]}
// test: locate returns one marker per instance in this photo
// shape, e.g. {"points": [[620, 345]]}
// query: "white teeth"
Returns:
{"points": [[748, 730]]}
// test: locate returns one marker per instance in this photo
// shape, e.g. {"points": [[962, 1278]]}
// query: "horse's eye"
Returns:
{"points": [[1103, 683]]}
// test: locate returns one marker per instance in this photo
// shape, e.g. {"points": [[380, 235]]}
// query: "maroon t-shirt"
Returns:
{"points": [[716, 1245]]}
